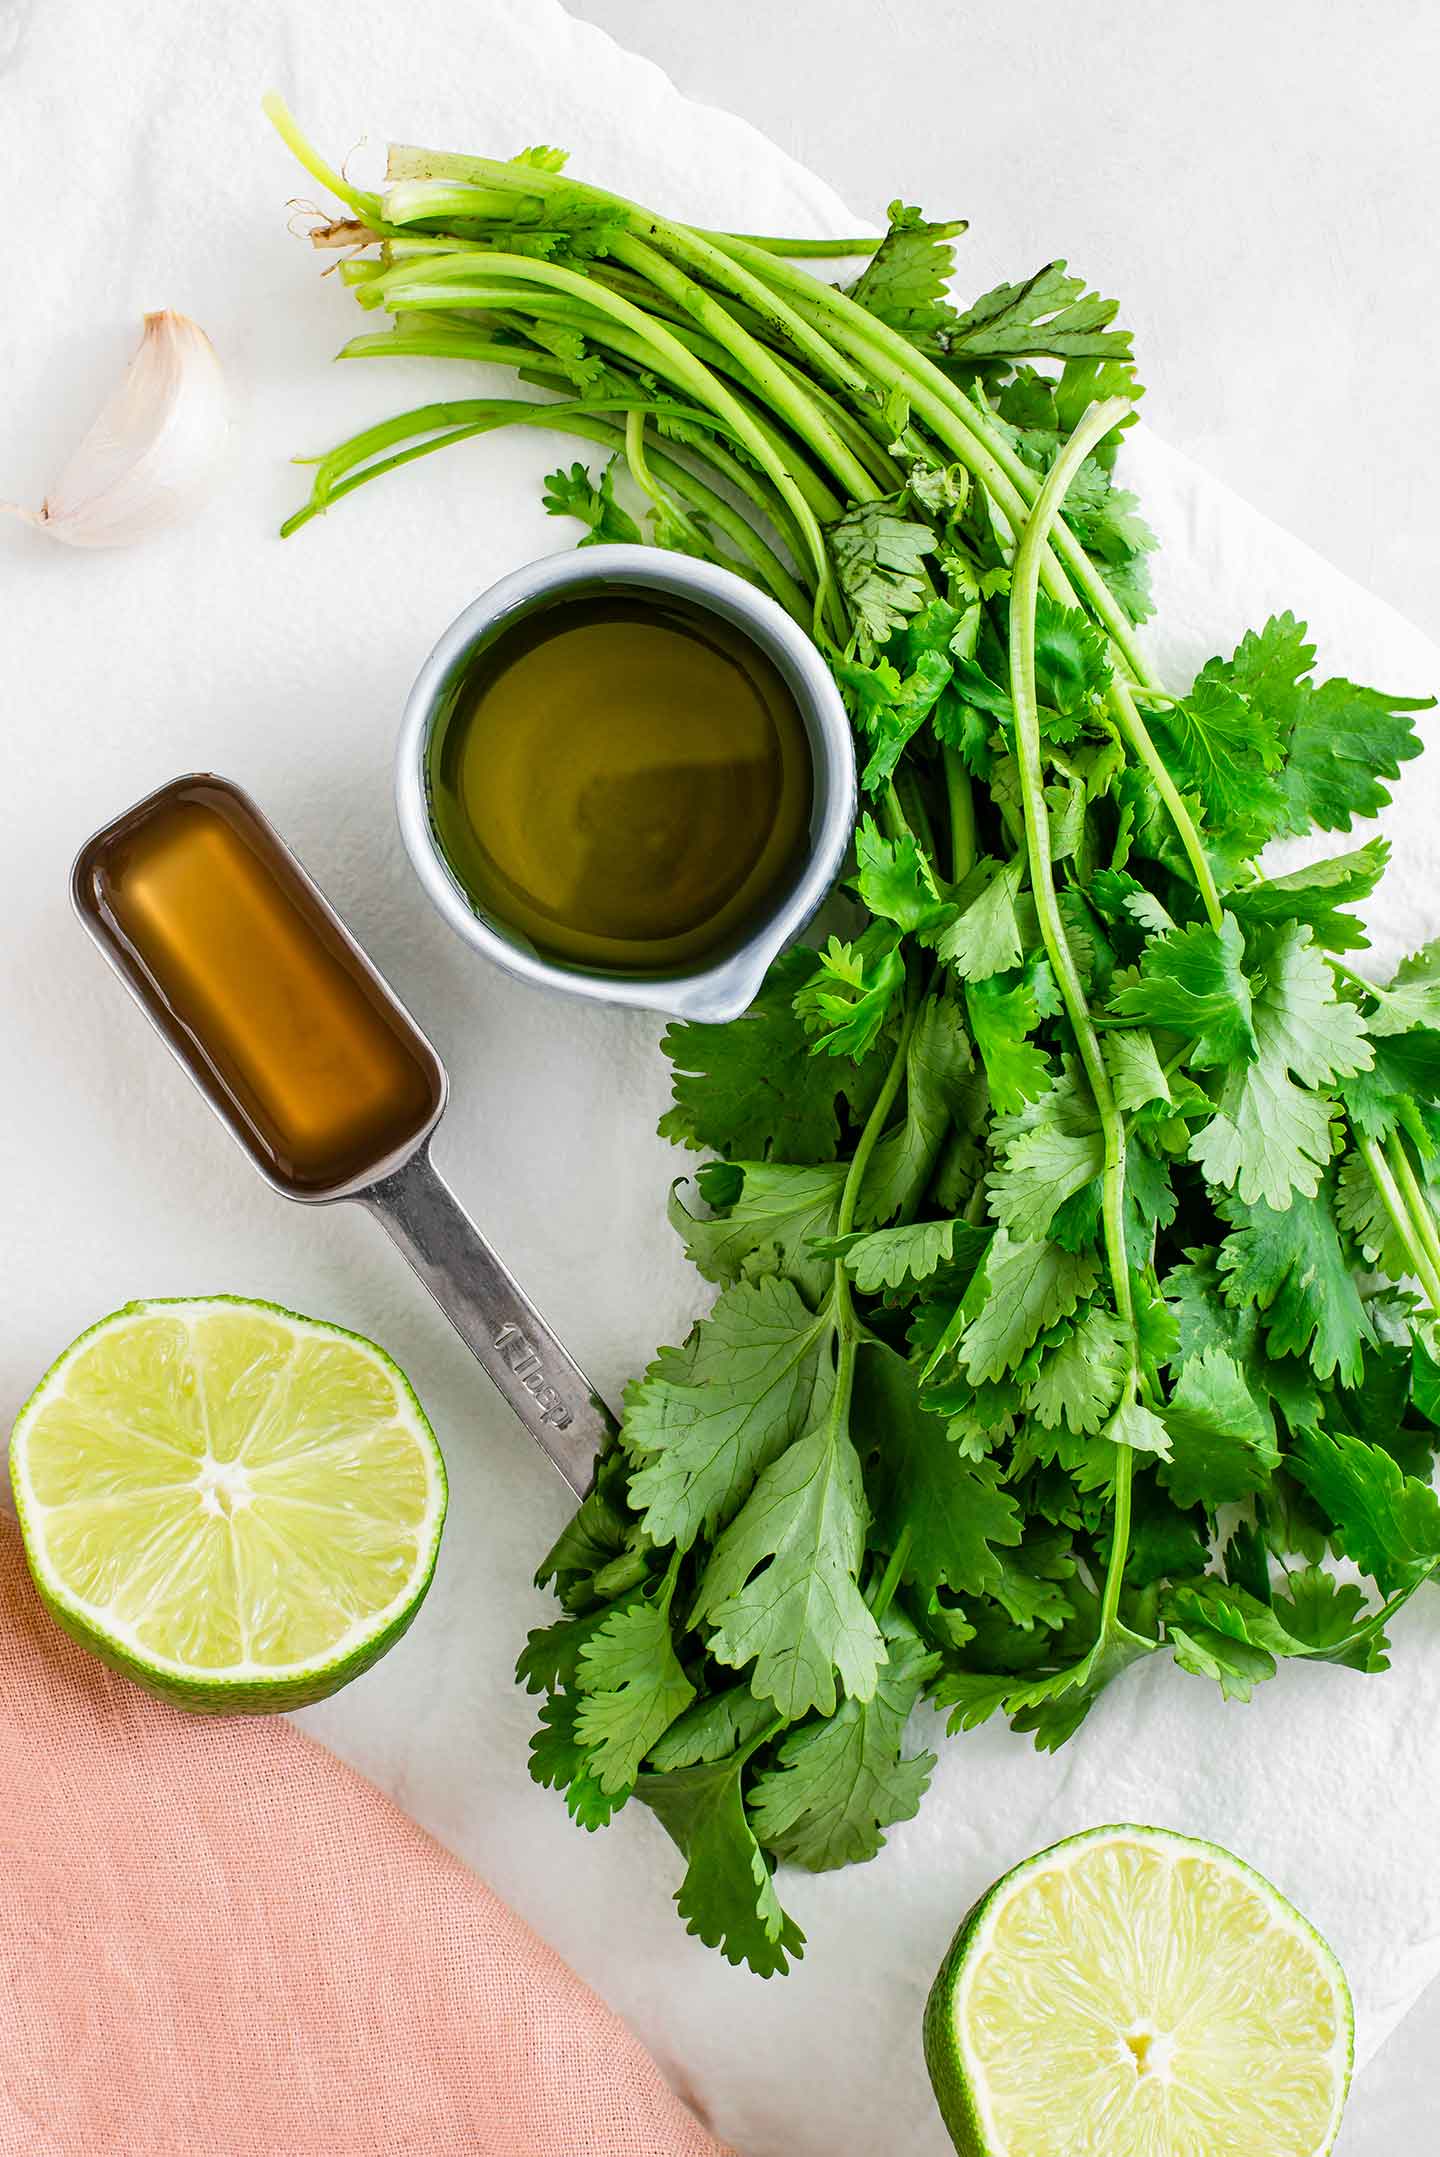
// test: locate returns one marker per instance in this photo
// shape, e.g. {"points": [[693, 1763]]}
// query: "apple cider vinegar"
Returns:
{"points": [[277, 1015]]}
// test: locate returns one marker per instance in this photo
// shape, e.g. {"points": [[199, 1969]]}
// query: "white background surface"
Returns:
{"points": [[1282, 155]]}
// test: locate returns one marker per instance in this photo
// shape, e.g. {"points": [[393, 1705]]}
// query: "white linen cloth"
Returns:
{"points": [[141, 175]]}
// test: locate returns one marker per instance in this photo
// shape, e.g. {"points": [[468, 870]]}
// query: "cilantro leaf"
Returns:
{"points": [[1400, 1089], [985, 937], [1165, 1544], [1072, 657], [1136, 1426], [1387, 1521], [1290, 1265], [1084, 382], [1299, 1019], [1105, 518], [1361, 1212], [1317, 895], [1047, 1154], [837, 1784], [847, 1001], [707, 1418], [1032, 1588], [752, 1088], [1412, 998], [1004, 1013], [1327, 1617], [595, 1534], [1193, 982], [1217, 1631], [1224, 751], [1018, 1293], [1051, 1706], [1345, 744], [549, 1662], [575, 494], [879, 556], [937, 1069], [904, 1256], [713, 1728], [542, 156], [1269, 1137], [1135, 1069], [1049, 315], [1079, 1380], [1425, 1380], [905, 282], [895, 880], [952, 1509], [780, 1588], [889, 707], [1269, 668], [768, 1215], [633, 1688], [558, 1761], [1222, 1441], [727, 1896]]}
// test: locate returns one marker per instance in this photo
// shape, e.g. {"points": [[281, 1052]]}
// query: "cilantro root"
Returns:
{"points": [[1072, 1212]]}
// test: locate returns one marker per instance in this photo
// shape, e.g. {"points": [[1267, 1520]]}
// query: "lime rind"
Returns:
{"points": [[237, 1687], [957, 2081]]}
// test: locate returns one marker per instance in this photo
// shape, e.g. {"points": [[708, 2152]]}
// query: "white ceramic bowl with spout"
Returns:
{"points": [[724, 986]]}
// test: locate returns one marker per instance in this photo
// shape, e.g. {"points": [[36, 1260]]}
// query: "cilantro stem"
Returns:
{"points": [[891, 814], [911, 796], [1391, 1199], [640, 470], [798, 250], [682, 366], [779, 388], [851, 428], [1024, 593], [842, 1303], [278, 113], [1398, 1158], [1119, 1542], [1138, 735], [586, 422], [869, 1139], [889, 1581], [961, 798]]}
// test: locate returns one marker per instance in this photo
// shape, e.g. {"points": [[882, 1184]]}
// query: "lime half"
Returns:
{"points": [[1132, 1993], [234, 1505]]}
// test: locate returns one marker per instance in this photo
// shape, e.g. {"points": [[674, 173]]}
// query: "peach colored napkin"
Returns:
{"points": [[217, 1940]]}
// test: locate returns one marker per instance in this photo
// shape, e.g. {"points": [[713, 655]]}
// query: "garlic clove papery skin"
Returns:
{"points": [[154, 448]]}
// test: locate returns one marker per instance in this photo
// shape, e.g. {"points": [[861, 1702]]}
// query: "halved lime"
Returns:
{"points": [[237, 1506], [1133, 1993]]}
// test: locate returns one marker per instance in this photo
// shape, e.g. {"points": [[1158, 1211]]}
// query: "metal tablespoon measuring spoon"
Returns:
{"points": [[314, 1065]]}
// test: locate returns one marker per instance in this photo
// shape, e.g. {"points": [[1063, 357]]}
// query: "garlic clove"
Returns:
{"points": [[154, 448]]}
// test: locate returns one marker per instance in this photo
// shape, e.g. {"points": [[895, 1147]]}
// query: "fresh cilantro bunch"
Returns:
{"points": [[1071, 1210]]}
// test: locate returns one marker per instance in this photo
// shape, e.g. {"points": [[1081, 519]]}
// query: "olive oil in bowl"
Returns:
{"points": [[623, 780]]}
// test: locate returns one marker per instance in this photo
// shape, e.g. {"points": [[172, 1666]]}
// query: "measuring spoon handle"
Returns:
{"points": [[493, 1316]]}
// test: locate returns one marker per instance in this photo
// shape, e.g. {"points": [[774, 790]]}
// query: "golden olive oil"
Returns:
{"points": [[624, 780]]}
